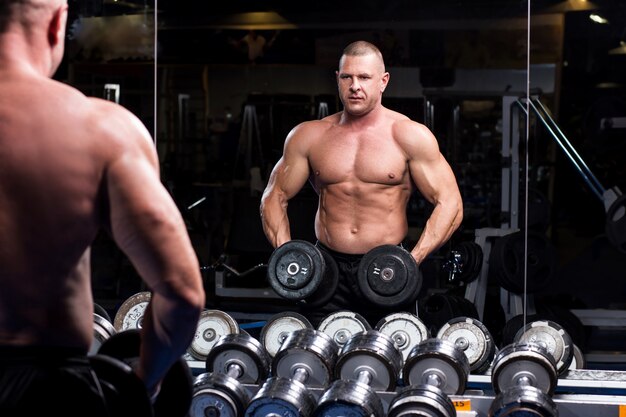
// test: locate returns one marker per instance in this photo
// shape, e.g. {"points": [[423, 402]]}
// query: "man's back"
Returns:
{"points": [[52, 161]]}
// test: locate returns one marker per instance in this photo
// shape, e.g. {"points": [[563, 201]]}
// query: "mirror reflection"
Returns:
{"points": [[534, 142]]}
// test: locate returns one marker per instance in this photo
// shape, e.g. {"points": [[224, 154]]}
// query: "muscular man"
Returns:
{"points": [[364, 163], [69, 166]]}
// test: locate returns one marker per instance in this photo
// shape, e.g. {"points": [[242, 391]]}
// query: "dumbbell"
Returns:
{"points": [[123, 392], [176, 389], [102, 330], [464, 263], [405, 329], [235, 359], [389, 277], [305, 360], [368, 362], [433, 370], [279, 326], [212, 324], [524, 377], [473, 338], [298, 270], [130, 314], [342, 325], [553, 337]]}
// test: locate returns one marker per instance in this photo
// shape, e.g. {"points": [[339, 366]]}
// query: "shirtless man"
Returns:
{"points": [[69, 166], [364, 163]]}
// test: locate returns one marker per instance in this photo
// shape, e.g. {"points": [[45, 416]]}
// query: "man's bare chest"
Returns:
{"points": [[358, 158]]}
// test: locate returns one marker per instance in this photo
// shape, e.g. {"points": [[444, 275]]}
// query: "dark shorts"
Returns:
{"points": [[348, 296], [48, 381]]}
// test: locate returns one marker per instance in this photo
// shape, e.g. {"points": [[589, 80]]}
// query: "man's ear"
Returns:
{"points": [[56, 27], [384, 81]]}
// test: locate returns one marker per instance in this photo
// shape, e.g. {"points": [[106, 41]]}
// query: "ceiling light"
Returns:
{"points": [[598, 19]]}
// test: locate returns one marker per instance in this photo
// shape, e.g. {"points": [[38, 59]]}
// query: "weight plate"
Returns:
{"points": [[388, 276], [328, 287], [405, 329], [437, 362], [239, 356], [471, 337], [211, 325], [215, 394], [578, 361], [296, 269], [102, 330], [342, 325], [421, 400], [523, 401], [465, 262], [281, 397], [347, 398], [102, 312], [552, 337], [524, 363], [306, 355], [130, 313], [513, 260], [372, 355], [278, 327], [176, 390], [124, 391]]}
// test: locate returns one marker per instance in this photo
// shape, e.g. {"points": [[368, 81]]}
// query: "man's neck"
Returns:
{"points": [[21, 53]]}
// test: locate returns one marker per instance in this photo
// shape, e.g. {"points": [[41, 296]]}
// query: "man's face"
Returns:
{"points": [[361, 81]]}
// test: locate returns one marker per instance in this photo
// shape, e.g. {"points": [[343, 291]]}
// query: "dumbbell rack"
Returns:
{"points": [[579, 393]]}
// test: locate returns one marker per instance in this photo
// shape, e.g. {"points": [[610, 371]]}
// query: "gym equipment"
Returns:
{"points": [[552, 337], [342, 325], [464, 263], [434, 370], [235, 359], [439, 363], [211, 325], [101, 311], [176, 389], [524, 377], [439, 308], [298, 270], [130, 313], [405, 329], [124, 393], [388, 276], [367, 363], [423, 400], [102, 330], [305, 360], [473, 338], [507, 260], [279, 326]]}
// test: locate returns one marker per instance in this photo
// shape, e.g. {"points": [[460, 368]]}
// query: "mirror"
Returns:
{"points": [[232, 79]]}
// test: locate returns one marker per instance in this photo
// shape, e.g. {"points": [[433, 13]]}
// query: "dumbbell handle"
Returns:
{"points": [[524, 381], [434, 380], [364, 377], [234, 370], [300, 374]]}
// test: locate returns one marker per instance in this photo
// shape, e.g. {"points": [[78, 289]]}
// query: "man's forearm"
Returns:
{"points": [[275, 221], [439, 228]]}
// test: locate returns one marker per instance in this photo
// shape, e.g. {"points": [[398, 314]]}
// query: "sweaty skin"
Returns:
{"points": [[364, 162], [69, 166]]}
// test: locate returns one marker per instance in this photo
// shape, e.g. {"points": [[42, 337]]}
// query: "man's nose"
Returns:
{"points": [[355, 86]]}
